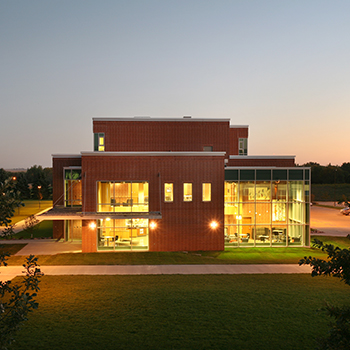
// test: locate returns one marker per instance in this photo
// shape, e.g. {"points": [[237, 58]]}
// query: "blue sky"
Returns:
{"points": [[281, 67]]}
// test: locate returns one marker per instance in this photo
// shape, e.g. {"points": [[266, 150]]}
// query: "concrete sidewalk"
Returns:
{"points": [[45, 246], [10, 272]]}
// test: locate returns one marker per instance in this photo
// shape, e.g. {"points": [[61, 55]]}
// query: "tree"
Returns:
{"points": [[337, 265], [3, 175], [30, 225], [37, 176], [8, 232], [9, 200], [17, 300]]}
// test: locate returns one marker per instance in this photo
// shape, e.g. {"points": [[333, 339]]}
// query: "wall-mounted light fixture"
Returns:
{"points": [[214, 224], [92, 225], [152, 225]]}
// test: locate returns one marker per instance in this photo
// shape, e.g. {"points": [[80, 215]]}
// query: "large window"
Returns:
{"points": [[271, 211], [126, 196], [72, 186], [122, 234]]}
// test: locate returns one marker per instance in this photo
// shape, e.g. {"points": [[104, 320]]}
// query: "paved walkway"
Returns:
{"points": [[10, 272]]}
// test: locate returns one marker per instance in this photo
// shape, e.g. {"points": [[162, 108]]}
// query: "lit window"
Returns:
{"points": [[125, 196], [187, 192], [168, 192], [206, 189], [99, 142], [243, 147], [72, 185]]}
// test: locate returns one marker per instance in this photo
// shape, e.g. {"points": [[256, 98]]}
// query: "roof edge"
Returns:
{"points": [[160, 119], [154, 154], [261, 157], [66, 155]]}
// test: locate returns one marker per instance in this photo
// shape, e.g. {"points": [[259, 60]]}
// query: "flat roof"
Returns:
{"points": [[156, 154], [261, 157], [265, 167], [158, 119], [66, 155]]}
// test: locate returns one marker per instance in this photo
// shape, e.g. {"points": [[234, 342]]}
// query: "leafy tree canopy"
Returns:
{"points": [[9, 201], [337, 265]]}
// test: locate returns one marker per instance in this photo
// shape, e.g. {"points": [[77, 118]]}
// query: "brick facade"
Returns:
{"points": [[184, 225], [159, 151]]}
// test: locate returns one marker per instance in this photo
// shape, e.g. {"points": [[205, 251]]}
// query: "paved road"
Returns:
{"points": [[330, 221]]}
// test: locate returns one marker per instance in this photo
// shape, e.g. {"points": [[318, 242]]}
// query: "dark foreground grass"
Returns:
{"points": [[180, 312], [11, 248], [229, 256]]}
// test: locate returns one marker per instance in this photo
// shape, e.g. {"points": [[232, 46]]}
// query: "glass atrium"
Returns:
{"points": [[267, 207]]}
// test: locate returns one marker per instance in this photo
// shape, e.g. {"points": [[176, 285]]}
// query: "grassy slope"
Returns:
{"points": [[31, 208], [42, 230], [180, 312]]}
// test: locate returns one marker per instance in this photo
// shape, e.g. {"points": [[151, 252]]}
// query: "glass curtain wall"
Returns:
{"points": [[122, 234], [121, 197], [72, 187], [272, 212]]}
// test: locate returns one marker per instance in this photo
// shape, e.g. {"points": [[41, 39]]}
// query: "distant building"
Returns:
{"points": [[179, 184]]}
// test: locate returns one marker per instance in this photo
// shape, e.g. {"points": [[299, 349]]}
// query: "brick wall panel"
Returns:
{"points": [[235, 134], [184, 226], [163, 135]]}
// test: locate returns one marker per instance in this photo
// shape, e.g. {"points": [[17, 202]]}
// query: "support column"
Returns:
{"points": [[89, 236]]}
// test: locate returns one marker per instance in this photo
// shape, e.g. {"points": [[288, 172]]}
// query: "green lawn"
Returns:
{"points": [[180, 312], [42, 230], [31, 207], [229, 256]]}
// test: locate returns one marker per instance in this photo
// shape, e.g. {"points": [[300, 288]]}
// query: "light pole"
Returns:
{"points": [[39, 195], [335, 188], [14, 178]]}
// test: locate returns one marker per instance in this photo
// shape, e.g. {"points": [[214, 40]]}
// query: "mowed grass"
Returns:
{"points": [[31, 207], [229, 256], [180, 312], [42, 230]]}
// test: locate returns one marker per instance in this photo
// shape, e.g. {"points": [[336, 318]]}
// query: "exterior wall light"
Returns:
{"points": [[214, 225], [92, 225], [152, 225]]}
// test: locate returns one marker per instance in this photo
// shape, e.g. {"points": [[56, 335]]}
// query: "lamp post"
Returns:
{"points": [[14, 178], [39, 195], [335, 188]]}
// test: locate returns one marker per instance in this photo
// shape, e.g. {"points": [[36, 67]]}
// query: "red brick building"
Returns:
{"points": [[177, 184]]}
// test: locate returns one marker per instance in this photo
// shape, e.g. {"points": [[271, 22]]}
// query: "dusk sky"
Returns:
{"points": [[281, 67]]}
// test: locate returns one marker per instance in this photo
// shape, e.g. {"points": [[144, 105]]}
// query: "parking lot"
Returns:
{"points": [[330, 221]]}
